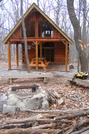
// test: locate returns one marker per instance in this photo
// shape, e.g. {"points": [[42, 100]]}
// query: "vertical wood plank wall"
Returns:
{"points": [[59, 53], [9, 56]]}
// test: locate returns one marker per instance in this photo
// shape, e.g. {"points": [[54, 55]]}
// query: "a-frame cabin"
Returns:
{"points": [[44, 39]]}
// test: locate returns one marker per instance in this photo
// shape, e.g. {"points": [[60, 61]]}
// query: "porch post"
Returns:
{"points": [[40, 49], [36, 55], [9, 56], [66, 55], [17, 54]]}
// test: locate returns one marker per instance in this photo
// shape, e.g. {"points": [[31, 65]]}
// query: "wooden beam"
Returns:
{"points": [[66, 54], [21, 40], [17, 54], [9, 56], [36, 55], [40, 49]]}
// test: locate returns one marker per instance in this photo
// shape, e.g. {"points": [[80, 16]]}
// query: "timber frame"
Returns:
{"points": [[40, 36]]}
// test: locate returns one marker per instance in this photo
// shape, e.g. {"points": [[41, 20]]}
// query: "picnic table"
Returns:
{"points": [[42, 62]]}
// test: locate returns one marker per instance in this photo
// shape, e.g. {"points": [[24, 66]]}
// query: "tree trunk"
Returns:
{"points": [[77, 35], [25, 38], [38, 3], [57, 12], [84, 21]]}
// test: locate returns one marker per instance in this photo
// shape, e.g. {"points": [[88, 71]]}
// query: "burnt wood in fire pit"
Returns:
{"points": [[33, 87]]}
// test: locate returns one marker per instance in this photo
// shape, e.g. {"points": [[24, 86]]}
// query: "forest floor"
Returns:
{"points": [[73, 97]]}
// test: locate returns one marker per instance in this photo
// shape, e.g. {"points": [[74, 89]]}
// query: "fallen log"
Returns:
{"points": [[29, 131], [58, 111], [29, 120], [72, 115], [22, 125], [45, 126]]}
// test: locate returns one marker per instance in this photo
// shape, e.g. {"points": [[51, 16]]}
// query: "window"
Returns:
{"points": [[45, 29]]}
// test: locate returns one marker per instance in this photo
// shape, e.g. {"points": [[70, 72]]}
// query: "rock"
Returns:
{"points": [[16, 100], [10, 91], [3, 98], [45, 104], [3, 102], [35, 100], [45, 80], [1, 108], [8, 109]]}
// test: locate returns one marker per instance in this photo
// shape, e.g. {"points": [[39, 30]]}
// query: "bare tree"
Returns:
{"points": [[57, 12], [84, 20], [25, 38], [77, 35], [38, 2]]}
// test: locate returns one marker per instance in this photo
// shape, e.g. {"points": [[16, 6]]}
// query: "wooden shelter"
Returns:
{"points": [[44, 39]]}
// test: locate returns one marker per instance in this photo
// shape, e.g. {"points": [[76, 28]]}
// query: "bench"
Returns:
{"points": [[24, 74]]}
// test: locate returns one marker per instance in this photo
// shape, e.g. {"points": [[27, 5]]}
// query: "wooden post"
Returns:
{"points": [[17, 54], [66, 54], [41, 50], [36, 55], [9, 56]]}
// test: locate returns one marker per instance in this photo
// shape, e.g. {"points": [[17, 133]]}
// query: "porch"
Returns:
{"points": [[21, 72], [51, 68]]}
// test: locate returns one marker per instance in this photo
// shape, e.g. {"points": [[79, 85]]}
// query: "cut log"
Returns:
{"points": [[56, 94], [59, 101]]}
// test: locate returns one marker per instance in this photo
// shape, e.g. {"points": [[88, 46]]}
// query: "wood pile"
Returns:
{"points": [[68, 121]]}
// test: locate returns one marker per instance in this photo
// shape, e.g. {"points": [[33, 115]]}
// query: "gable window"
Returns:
{"points": [[45, 29]]}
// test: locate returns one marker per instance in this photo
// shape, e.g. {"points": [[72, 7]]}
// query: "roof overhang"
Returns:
{"points": [[42, 13]]}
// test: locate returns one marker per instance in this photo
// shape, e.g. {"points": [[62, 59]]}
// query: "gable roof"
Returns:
{"points": [[42, 13]]}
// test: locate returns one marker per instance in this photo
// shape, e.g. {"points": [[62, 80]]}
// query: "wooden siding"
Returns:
{"points": [[16, 34], [31, 54], [59, 53], [56, 34], [35, 17]]}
